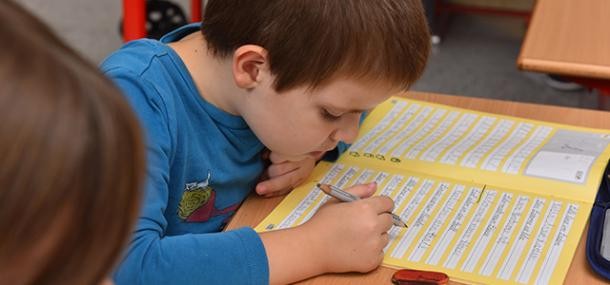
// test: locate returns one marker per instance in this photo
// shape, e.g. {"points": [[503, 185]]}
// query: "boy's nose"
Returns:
{"points": [[348, 132]]}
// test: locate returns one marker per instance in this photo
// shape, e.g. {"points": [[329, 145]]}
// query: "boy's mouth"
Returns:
{"points": [[320, 152], [316, 153]]}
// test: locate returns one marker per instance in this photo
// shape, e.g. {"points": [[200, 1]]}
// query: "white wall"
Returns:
{"points": [[90, 26]]}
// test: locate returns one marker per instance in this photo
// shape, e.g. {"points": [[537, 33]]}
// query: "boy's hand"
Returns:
{"points": [[351, 236], [340, 237], [284, 174]]}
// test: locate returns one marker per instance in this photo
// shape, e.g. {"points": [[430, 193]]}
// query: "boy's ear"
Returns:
{"points": [[248, 63]]}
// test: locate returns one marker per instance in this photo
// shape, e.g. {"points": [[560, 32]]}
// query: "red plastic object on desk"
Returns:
{"points": [[419, 277]]}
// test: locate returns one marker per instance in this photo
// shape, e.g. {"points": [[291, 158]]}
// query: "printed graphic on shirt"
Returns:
{"points": [[197, 203]]}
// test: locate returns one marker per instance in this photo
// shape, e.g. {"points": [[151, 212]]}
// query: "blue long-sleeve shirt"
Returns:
{"points": [[202, 163]]}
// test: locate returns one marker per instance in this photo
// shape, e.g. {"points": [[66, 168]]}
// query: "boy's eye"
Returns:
{"points": [[329, 116]]}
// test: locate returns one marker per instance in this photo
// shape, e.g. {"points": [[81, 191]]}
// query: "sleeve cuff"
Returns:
{"points": [[255, 255]]}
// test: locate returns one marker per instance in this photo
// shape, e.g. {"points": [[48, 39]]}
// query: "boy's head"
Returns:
{"points": [[348, 56], [312, 42]]}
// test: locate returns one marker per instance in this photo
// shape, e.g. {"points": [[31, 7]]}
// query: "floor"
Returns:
{"points": [[476, 57]]}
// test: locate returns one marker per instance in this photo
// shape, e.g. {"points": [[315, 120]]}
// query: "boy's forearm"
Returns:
{"points": [[233, 257], [293, 255]]}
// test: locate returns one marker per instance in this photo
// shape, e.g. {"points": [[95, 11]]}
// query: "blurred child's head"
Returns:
{"points": [[346, 55], [71, 162]]}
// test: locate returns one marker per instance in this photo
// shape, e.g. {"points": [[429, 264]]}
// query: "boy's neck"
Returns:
{"points": [[213, 77]]}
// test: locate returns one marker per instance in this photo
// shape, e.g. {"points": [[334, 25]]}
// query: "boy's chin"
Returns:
{"points": [[279, 157], [298, 156], [317, 154]]}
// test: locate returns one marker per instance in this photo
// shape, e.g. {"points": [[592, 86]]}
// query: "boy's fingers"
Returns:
{"points": [[282, 168], [277, 193], [381, 204], [363, 190], [274, 157], [279, 183], [278, 158], [386, 222], [267, 186]]}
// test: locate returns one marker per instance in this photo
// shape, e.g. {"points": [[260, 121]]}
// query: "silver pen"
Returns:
{"points": [[343, 196]]}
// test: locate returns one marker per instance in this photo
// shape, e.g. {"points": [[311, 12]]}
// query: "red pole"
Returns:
{"points": [[196, 10], [134, 19]]}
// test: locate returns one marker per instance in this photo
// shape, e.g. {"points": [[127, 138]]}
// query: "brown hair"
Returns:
{"points": [[310, 42], [71, 160]]}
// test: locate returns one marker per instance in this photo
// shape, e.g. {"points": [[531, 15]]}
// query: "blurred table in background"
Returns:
{"points": [[572, 39]]}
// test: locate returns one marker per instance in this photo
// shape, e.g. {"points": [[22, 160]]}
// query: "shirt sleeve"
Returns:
{"points": [[233, 257]]}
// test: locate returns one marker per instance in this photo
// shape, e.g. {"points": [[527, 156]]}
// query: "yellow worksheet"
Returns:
{"points": [[488, 198]]}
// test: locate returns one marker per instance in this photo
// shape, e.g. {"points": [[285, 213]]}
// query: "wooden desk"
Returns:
{"points": [[568, 37], [255, 208]]}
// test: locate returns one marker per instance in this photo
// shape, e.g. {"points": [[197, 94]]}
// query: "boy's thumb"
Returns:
{"points": [[363, 190]]}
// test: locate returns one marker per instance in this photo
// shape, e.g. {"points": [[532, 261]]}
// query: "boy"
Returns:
{"points": [[290, 76]]}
